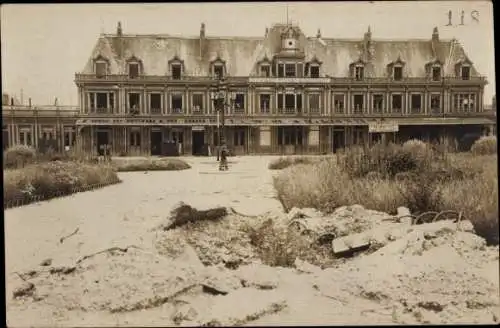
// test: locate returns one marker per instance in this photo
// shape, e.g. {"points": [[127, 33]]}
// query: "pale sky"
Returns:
{"points": [[44, 45]]}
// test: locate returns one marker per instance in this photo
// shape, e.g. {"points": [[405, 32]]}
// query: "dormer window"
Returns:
{"points": [[314, 71], [290, 70], [436, 73], [398, 73], [133, 70], [359, 73], [100, 69], [465, 72], [176, 71], [463, 69], [265, 70], [219, 71], [176, 68]]}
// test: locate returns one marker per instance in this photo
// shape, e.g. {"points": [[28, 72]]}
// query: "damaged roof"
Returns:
{"points": [[242, 54]]}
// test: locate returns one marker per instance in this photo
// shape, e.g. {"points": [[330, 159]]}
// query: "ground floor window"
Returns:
{"points": [[135, 138], [25, 138], [239, 137], [289, 135]]}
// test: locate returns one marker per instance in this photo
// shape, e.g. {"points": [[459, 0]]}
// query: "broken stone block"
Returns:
{"points": [[346, 246]]}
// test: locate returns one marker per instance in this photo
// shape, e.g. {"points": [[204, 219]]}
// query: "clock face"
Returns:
{"points": [[290, 43]]}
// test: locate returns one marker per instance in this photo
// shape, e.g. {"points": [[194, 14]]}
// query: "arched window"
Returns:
{"points": [[176, 67], [134, 67], [218, 68], [101, 66], [357, 69], [463, 69], [396, 69]]}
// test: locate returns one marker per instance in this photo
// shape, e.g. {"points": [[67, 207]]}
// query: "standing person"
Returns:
{"points": [[223, 158]]}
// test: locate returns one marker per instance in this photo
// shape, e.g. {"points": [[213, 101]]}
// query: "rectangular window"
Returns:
{"points": [[298, 102], [176, 71], [111, 100], [435, 103], [239, 103], [219, 71], [339, 104], [436, 73], [102, 102], [397, 103], [290, 70], [465, 72], [134, 102], [135, 138], [197, 103], [359, 73], [416, 103], [314, 103], [314, 71], [281, 103], [281, 70], [239, 137], [265, 71], [398, 73], [100, 69], [177, 103], [265, 103], [378, 103], [464, 102], [289, 103], [92, 102], [358, 104], [155, 103], [67, 139], [133, 70]]}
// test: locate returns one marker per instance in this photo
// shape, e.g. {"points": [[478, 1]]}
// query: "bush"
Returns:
{"points": [[485, 146], [52, 179], [284, 162], [163, 164], [18, 156]]}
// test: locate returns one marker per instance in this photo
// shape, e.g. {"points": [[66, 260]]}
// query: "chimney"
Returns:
{"points": [[29, 101], [12, 101], [435, 35], [318, 34], [367, 44], [119, 31], [202, 39], [267, 32]]}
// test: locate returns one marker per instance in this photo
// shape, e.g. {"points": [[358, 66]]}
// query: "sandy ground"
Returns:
{"points": [[446, 278]]}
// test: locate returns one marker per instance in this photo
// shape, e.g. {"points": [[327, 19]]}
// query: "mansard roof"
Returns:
{"points": [[241, 54]]}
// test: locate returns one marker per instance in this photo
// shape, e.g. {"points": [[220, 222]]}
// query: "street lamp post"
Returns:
{"points": [[220, 101]]}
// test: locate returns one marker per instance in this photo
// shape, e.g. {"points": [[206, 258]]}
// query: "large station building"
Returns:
{"points": [[292, 94]]}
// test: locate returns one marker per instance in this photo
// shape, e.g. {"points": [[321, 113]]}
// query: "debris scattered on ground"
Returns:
{"points": [[62, 239], [211, 272], [184, 214], [46, 262]]}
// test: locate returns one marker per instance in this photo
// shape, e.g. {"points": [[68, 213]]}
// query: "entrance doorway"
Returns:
{"points": [[198, 142], [102, 142], [156, 140], [338, 141]]}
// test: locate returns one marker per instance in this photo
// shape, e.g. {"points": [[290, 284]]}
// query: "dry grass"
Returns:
{"points": [[384, 179], [485, 146], [150, 164], [284, 162], [18, 156], [52, 179]]}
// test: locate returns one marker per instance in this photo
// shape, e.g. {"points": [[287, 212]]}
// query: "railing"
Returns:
{"points": [[299, 80]]}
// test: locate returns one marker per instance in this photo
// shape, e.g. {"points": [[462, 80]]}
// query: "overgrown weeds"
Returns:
{"points": [[421, 176], [150, 164], [284, 162], [486, 145], [51, 179]]}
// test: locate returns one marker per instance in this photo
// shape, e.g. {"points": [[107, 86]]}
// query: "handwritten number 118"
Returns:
{"points": [[473, 14]]}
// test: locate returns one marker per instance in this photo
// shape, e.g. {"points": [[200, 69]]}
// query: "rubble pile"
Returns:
{"points": [[210, 273]]}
